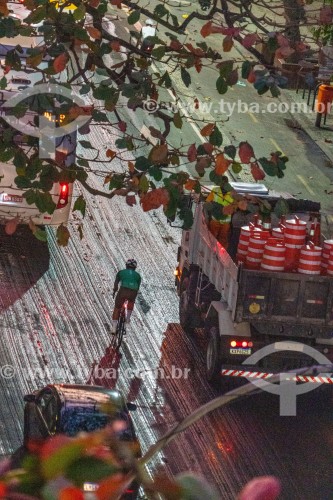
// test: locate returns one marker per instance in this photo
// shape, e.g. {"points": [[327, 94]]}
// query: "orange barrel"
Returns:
{"points": [[278, 232], [255, 250], [327, 248], [330, 264], [243, 243], [274, 255], [292, 256], [295, 233], [324, 98], [310, 259]]}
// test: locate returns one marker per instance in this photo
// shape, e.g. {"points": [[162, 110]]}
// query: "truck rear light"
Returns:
{"points": [[63, 196], [241, 343]]}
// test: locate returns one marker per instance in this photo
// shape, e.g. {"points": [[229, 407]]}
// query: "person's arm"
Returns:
{"points": [[116, 283]]}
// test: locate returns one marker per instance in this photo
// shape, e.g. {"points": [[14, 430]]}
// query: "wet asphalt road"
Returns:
{"points": [[55, 308], [55, 315]]}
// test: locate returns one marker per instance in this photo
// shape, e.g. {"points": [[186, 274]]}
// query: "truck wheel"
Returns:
{"points": [[186, 313], [213, 356]]}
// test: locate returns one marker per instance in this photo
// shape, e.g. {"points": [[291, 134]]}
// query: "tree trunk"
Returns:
{"points": [[294, 13]]}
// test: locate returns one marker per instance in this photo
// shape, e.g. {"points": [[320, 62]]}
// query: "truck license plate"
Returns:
{"points": [[243, 351]]}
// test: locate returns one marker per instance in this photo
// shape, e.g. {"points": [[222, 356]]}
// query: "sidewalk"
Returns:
{"points": [[323, 136]]}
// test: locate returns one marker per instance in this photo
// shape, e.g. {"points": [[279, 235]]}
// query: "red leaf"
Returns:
{"points": [[122, 126], [267, 487], [60, 62], [175, 45], [71, 493], [154, 199], [198, 64], [192, 153], [208, 147], [7, 70], [228, 43], [221, 164], [245, 152], [231, 31], [206, 29], [251, 77], [257, 173], [190, 184], [94, 32], [196, 103], [110, 154], [207, 129], [94, 3], [326, 15], [282, 40], [250, 39], [115, 45], [131, 200], [11, 226]]}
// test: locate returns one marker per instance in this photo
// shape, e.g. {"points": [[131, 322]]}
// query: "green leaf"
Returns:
{"points": [[3, 83], [269, 167], [155, 172], [230, 151], [221, 85], [20, 160], [80, 12], [236, 167], [275, 91], [99, 116], [177, 120], [246, 69], [196, 488], [7, 155], [40, 234], [215, 137], [75, 448], [186, 77], [121, 143], [86, 145], [143, 184], [36, 15], [186, 215], [142, 163], [23, 183], [158, 52], [161, 10], [80, 205], [226, 68], [133, 17], [166, 80], [85, 89], [89, 469], [281, 208]]}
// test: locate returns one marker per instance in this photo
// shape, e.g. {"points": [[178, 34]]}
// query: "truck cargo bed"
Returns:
{"points": [[292, 298]]}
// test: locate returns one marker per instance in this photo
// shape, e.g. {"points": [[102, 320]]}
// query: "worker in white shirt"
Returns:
{"points": [[147, 31]]}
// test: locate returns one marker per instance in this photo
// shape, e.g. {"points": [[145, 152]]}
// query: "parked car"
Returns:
{"points": [[70, 409]]}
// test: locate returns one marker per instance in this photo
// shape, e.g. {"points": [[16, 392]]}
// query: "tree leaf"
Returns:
{"points": [[207, 129], [80, 205], [60, 62], [94, 32], [228, 43], [177, 120], [192, 153], [215, 137], [221, 164], [159, 153], [62, 240], [230, 151], [133, 17], [186, 77], [245, 152], [221, 85]]}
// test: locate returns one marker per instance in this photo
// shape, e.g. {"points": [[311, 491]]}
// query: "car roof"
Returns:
{"points": [[88, 396]]}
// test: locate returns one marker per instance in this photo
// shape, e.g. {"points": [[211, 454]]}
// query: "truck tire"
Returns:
{"points": [[187, 312], [213, 356]]}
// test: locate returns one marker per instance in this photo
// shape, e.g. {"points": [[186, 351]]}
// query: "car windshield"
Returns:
{"points": [[82, 419]]}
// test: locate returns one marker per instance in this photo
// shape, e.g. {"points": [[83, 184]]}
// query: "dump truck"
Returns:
{"points": [[243, 310]]}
